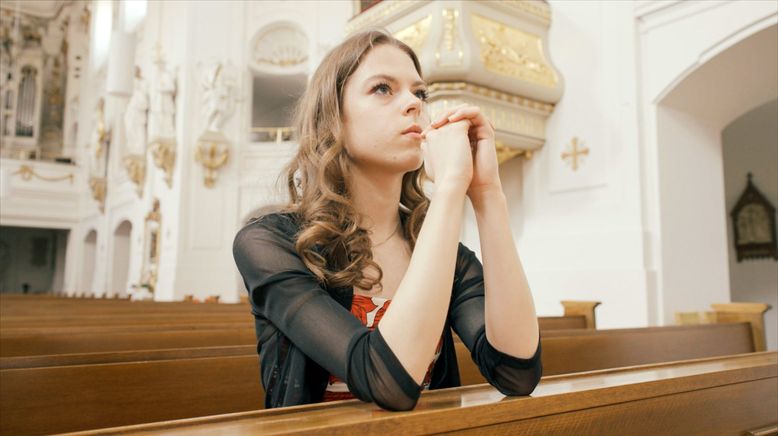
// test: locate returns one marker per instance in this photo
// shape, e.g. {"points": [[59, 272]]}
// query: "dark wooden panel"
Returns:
{"points": [[720, 410], [79, 397], [734, 392]]}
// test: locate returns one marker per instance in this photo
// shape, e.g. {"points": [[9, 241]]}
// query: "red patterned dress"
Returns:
{"points": [[369, 310]]}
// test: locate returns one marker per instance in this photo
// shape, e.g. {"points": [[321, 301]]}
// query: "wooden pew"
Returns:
{"points": [[106, 389], [128, 331], [567, 351], [729, 395], [752, 313]]}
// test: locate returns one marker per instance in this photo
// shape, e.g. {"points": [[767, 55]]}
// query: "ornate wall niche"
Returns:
{"points": [[280, 48], [279, 67]]}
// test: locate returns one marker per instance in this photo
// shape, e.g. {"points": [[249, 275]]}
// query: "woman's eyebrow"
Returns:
{"points": [[393, 79]]}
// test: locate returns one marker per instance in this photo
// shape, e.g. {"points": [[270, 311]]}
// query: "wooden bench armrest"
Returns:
{"points": [[752, 313], [585, 308]]}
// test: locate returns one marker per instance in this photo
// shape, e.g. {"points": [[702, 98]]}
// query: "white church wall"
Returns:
{"points": [[681, 120], [578, 232], [750, 144]]}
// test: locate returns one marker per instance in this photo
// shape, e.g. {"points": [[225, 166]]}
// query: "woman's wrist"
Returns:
{"points": [[486, 195], [451, 186]]}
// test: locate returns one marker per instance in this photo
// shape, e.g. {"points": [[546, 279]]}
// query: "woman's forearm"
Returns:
{"points": [[511, 322], [414, 321]]}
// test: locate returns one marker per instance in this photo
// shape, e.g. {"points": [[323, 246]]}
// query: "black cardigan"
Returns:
{"points": [[306, 331]]}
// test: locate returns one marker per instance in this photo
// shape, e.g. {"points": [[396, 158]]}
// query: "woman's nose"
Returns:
{"points": [[413, 105]]}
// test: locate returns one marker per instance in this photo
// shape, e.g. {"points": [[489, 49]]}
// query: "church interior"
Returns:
{"points": [[638, 152]]}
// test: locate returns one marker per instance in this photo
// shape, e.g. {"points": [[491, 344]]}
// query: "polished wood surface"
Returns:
{"points": [[46, 326], [752, 313], [106, 389], [726, 395], [567, 351]]}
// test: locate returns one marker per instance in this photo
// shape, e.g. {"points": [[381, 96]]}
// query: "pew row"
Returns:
{"points": [[33, 313], [144, 332], [106, 389], [729, 395], [752, 313]]}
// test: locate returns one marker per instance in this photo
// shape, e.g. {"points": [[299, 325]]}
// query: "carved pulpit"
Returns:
{"points": [[492, 54]]}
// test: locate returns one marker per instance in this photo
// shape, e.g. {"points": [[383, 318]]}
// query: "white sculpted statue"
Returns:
{"points": [[162, 108], [217, 86], [136, 116]]}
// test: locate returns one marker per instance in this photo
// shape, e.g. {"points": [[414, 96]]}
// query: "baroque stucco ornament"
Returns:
{"points": [[218, 88], [162, 110]]}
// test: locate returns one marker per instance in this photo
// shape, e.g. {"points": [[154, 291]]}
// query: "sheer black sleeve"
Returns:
{"points": [[285, 292], [510, 375]]}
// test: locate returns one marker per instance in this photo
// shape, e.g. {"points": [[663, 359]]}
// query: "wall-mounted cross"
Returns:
{"points": [[575, 152]]}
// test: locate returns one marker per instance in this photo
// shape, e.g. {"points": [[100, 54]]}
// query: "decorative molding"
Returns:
{"points": [[449, 52], [164, 153], [98, 187], [505, 153], [379, 14], [27, 172], [541, 107], [212, 153], [536, 8], [279, 45], [512, 52], [135, 164], [416, 34]]}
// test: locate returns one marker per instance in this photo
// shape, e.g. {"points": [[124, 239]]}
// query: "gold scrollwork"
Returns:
{"points": [[449, 52], [415, 34], [506, 153], [98, 187], [212, 152], [512, 52], [26, 172], [135, 164], [164, 153]]}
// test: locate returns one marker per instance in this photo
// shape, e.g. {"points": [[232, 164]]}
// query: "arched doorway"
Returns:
{"points": [[88, 265], [692, 214], [121, 258]]}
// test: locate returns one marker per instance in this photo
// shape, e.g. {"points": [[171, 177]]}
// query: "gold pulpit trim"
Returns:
{"points": [[544, 108], [576, 150], [26, 172], [378, 13], [535, 8], [415, 34], [135, 164], [505, 153], [512, 52], [212, 152], [449, 52], [98, 185], [164, 152]]}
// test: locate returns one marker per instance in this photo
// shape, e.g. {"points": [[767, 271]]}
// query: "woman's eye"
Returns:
{"points": [[382, 88], [422, 94]]}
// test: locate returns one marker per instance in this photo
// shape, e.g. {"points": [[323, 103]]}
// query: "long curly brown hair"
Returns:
{"points": [[330, 241]]}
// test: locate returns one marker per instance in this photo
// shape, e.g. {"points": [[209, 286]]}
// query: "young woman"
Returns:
{"points": [[359, 243]]}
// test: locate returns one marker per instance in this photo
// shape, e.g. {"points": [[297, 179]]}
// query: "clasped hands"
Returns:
{"points": [[459, 147]]}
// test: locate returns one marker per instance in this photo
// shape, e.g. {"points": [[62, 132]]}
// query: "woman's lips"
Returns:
{"points": [[412, 134]]}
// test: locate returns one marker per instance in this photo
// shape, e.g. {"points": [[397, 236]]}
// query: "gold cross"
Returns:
{"points": [[575, 152]]}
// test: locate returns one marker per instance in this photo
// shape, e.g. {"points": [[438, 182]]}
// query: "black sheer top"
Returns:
{"points": [[306, 331]]}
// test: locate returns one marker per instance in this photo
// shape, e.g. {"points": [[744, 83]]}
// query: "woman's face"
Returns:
{"points": [[382, 99]]}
